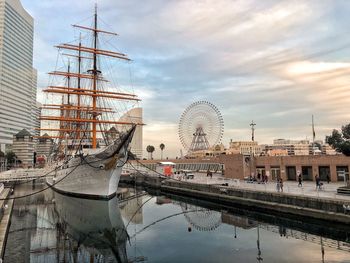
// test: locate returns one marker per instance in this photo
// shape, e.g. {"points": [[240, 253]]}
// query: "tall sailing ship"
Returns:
{"points": [[91, 144]]}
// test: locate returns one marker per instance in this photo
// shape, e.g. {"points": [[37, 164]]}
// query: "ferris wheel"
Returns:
{"points": [[201, 126]]}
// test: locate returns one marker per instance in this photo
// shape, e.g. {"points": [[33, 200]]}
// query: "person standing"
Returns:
{"points": [[300, 180], [278, 186], [281, 184], [328, 178]]}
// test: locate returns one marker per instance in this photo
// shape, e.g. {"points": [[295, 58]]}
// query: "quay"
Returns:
{"points": [[19, 175], [6, 207], [303, 201]]}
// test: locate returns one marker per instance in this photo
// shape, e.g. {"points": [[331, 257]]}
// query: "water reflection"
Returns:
{"points": [[69, 229], [276, 238], [201, 218], [51, 227]]}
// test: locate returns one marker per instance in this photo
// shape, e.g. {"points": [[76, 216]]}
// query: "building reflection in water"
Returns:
{"points": [[130, 204], [246, 223]]}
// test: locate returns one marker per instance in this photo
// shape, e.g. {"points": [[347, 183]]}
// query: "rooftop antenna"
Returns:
{"points": [[253, 129]]}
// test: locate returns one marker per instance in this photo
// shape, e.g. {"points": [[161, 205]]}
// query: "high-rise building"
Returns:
{"points": [[36, 112], [17, 76]]}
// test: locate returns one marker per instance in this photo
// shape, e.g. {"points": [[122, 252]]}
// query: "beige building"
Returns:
{"points": [[245, 148], [135, 116], [277, 152], [216, 150], [297, 147], [43, 146], [23, 147], [18, 78], [329, 150]]}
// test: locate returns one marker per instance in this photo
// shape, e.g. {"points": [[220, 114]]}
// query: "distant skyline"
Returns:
{"points": [[274, 62]]}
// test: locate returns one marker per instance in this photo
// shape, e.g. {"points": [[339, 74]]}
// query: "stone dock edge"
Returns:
{"points": [[5, 222], [326, 209]]}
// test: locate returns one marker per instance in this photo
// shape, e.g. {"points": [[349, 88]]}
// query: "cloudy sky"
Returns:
{"points": [[276, 62]]}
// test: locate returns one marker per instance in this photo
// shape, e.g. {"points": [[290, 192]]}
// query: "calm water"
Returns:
{"points": [[50, 227]]}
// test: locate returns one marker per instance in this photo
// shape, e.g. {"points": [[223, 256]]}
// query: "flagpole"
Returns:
{"points": [[313, 136]]}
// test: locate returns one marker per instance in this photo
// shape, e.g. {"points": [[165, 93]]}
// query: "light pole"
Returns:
{"points": [[251, 148]]}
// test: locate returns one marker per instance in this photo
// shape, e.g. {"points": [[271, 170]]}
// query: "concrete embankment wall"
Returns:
{"points": [[323, 209], [318, 208], [324, 204]]}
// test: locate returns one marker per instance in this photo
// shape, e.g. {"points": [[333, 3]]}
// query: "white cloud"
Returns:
{"points": [[309, 67], [276, 62]]}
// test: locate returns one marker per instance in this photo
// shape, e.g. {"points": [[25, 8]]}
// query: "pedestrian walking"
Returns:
{"points": [[281, 184], [317, 180], [300, 180]]}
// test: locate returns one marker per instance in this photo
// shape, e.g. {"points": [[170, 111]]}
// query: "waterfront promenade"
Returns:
{"points": [[289, 187], [22, 175]]}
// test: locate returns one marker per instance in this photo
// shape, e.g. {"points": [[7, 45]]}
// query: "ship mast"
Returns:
{"points": [[84, 118], [94, 72], [78, 96]]}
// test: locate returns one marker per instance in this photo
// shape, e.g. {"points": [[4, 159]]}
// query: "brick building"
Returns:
{"points": [[287, 167], [239, 166]]}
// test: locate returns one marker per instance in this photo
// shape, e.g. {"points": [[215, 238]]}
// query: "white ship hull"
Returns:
{"points": [[94, 176]]}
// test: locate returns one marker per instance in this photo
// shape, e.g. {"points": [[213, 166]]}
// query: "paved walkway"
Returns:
{"points": [[289, 187], [21, 174]]}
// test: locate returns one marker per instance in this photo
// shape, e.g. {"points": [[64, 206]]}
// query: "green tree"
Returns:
{"points": [[161, 146], [335, 139], [345, 148], [150, 149], [345, 129], [11, 157], [340, 141]]}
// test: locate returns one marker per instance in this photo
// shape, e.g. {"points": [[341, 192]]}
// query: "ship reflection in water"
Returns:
{"points": [[59, 228], [50, 227]]}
